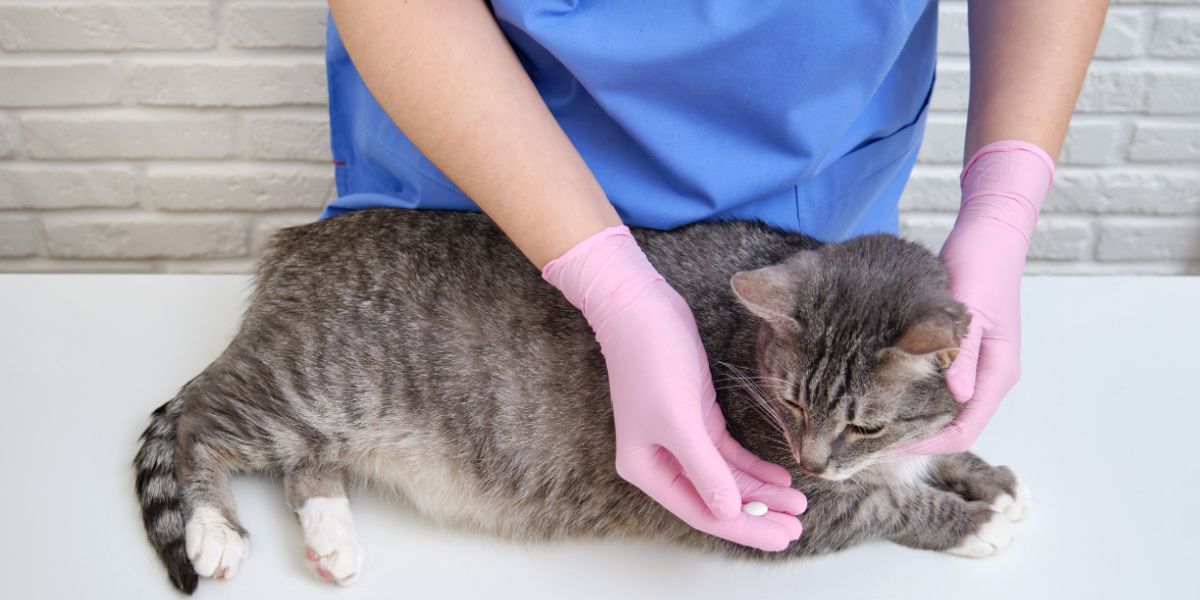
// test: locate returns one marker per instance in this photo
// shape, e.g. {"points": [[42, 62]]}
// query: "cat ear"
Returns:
{"points": [[771, 292], [768, 293], [935, 335]]}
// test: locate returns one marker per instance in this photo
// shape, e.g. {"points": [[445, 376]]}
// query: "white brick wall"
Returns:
{"points": [[1127, 196], [175, 135]]}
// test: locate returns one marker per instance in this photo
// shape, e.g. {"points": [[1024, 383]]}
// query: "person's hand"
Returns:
{"points": [[1004, 185], [671, 437]]}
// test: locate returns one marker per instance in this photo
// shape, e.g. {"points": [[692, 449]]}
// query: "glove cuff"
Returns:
{"points": [[1007, 181], [602, 274]]}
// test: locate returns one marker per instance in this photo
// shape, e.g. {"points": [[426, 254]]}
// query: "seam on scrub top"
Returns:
{"points": [[796, 197]]}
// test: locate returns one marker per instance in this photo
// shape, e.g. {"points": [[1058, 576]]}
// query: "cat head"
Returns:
{"points": [[852, 349]]}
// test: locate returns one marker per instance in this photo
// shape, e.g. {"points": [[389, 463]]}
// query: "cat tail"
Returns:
{"points": [[159, 493]]}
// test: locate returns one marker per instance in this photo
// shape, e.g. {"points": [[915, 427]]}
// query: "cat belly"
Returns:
{"points": [[435, 485]]}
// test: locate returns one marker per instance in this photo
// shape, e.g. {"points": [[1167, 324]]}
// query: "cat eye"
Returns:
{"points": [[863, 431]]}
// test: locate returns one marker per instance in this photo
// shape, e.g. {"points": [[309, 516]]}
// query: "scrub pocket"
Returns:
{"points": [[860, 192]]}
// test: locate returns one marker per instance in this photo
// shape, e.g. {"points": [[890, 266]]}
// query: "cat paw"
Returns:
{"points": [[215, 547], [1015, 507], [333, 552], [988, 539]]}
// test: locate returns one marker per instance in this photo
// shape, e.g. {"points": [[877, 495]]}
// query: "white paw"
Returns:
{"points": [[213, 544], [1015, 508], [990, 538], [333, 551]]}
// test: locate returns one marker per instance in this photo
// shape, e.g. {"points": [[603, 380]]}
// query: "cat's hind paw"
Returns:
{"points": [[332, 549], [214, 545], [988, 539]]}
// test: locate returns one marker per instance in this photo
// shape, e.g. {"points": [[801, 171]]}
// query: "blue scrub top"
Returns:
{"points": [[804, 114]]}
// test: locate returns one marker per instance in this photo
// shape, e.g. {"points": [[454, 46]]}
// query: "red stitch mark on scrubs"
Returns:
{"points": [[339, 163]]}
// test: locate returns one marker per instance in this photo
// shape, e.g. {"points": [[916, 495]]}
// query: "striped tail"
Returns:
{"points": [[160, 496]]}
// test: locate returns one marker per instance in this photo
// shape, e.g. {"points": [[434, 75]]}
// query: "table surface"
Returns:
{"points": [[1100, 428]]}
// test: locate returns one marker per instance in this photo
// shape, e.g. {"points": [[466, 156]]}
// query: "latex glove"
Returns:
{"points": [[1003, 188], [670, 434]]}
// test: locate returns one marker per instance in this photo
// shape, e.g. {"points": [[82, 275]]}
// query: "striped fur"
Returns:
{"points": [[159, 495]]}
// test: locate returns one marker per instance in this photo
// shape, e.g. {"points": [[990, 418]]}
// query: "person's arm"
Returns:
{"points": [[445, 74], [1028, 60]]}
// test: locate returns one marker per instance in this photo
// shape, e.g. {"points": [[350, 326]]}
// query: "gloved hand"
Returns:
{"points": [[671, 437], [1003, 188]]}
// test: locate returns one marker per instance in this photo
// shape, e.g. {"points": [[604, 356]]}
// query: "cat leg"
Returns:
{"points": [[319, 500], [936, 519], [972, 478], [215, 542]]}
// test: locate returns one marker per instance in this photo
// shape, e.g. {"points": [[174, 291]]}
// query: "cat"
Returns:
{"points": [[419, 351]]}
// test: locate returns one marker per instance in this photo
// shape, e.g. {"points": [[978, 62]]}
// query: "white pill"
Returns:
{"points": [[754, 509]]}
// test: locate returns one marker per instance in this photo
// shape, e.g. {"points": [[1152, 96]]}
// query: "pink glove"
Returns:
{"points": [[671, 437], [1003, 187]]}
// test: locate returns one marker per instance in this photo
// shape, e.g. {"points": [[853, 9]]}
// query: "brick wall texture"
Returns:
{"points": [[174, 136]]}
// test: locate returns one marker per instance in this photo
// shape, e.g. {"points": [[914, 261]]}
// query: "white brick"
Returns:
{"points": [[943, 143], [1167, 142], [48, 25], [1052, 240], [250, 187], [1125, 191], [1176, 35], [145, 237], [952, 29], [269, 225], [953, 88], [933, 188], [1038, 267], [288, 138], [145, 135], [277, 26], [1060, 239], [1175, 92], [1122, 34], [1092, 143], [1111, 88], [929, 230], [47, 84], [19, 236], [1149, 240], [52, 187], [229, 83], [8, 139]]}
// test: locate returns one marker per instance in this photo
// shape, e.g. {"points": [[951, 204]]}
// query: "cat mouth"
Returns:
{"points": [[831, 474]]}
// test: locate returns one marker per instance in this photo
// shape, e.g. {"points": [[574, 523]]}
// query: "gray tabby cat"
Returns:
{"points": [[419, 351]]}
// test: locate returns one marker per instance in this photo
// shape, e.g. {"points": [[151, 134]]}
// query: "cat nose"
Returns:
{"points": [[814, 471]]}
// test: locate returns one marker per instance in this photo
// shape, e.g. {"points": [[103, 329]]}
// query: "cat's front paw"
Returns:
{"points": [[1014, 506], [987, 539], [333, 552], [214, 545]]}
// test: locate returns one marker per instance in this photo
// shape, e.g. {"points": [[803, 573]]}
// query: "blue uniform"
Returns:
{"points": [[804, 114]]}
